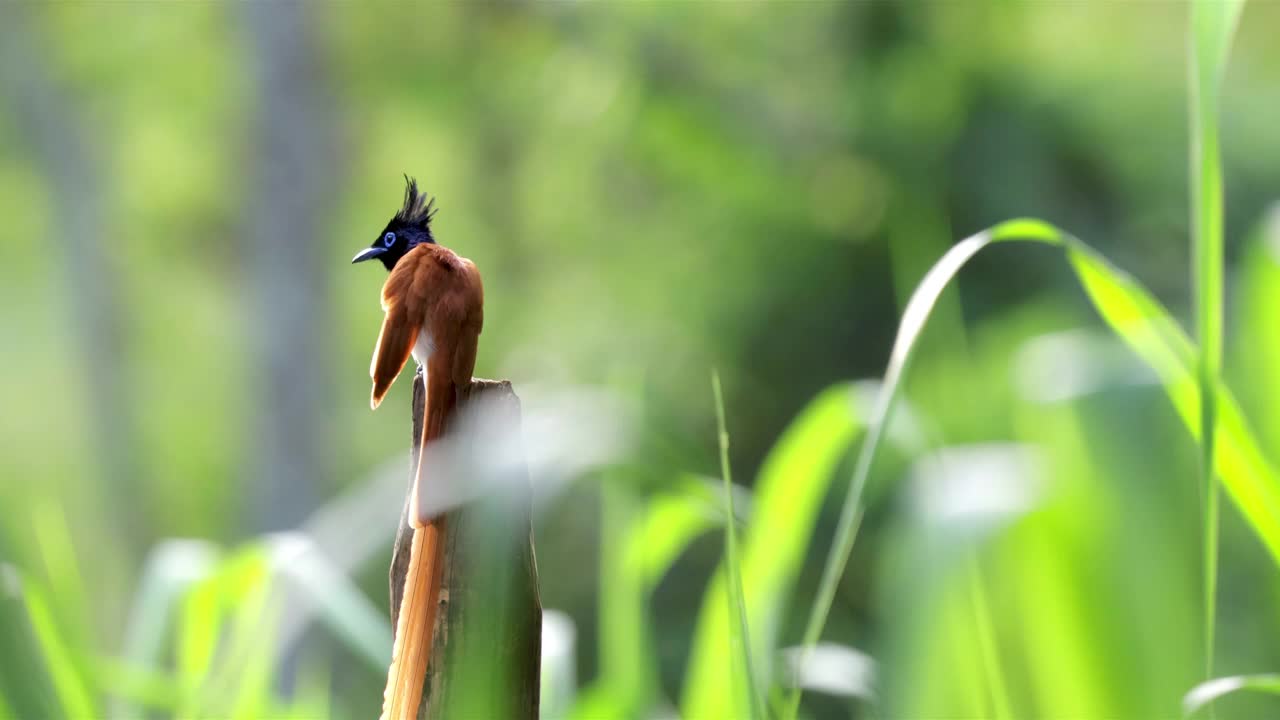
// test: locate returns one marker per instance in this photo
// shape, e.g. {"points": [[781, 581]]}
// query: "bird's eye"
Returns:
{"points": [[389, 239]]}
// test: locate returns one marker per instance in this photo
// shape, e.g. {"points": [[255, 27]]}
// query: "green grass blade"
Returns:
{"points": [[25, 687], [1210, 690], [670, 521], [171, 567], [247, 587], [1135, 316], [223, 638], [1140, 321], [200, 622], [739, 631], [626, 661], [340, 603], [72, 688], [913, 319], [140, 686], [1212, 22], [58, 553], [986, 637], [793, 481], [1255, 360], [633, 559]]}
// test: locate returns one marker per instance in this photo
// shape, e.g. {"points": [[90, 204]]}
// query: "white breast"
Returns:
{"points": [[423, 348]]}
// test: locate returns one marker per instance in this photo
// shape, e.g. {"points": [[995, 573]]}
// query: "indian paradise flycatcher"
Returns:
{"points": [[434, 306]]}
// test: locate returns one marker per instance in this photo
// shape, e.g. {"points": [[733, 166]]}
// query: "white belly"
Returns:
{"points": [[423, 348]]}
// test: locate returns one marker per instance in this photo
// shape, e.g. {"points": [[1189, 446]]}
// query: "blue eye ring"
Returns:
{"points": [[389, 239]]}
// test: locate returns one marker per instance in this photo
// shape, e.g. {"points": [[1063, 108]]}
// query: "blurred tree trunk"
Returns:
{"points": [[79, 237], [292, 191]]}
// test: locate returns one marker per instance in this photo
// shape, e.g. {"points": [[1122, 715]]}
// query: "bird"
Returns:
{"points": [[433, 301]]}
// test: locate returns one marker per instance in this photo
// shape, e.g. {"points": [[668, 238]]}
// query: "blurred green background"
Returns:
{"points": [[650, 190]]}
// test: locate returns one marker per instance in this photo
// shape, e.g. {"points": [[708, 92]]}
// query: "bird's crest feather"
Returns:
{"points": [[418, 208]]}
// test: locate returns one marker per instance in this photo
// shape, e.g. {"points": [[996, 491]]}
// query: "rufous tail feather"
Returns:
{"points": [[415, 627]]}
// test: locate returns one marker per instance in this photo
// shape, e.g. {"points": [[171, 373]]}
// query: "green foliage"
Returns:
{"points": [[650, 536], [1138, 320], [793, 481], [218, 617]]}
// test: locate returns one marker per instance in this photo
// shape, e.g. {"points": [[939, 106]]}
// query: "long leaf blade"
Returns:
{"points": [[1212, 22]]}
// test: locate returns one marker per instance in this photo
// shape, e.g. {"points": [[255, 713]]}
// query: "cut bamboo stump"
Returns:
{"points": [[486, 656]]}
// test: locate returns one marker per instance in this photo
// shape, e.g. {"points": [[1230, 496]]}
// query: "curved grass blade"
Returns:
{"points": [[1210, 690], [1139, 320], [669, 522], [340, 603], [793, 481], [913, 320]]}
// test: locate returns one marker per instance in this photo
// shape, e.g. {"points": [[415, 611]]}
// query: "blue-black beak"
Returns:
{"points": [[368, 254]]}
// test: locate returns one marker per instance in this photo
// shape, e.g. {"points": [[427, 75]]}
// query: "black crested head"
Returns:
{"points": [[418, 208], [411, 226]]}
